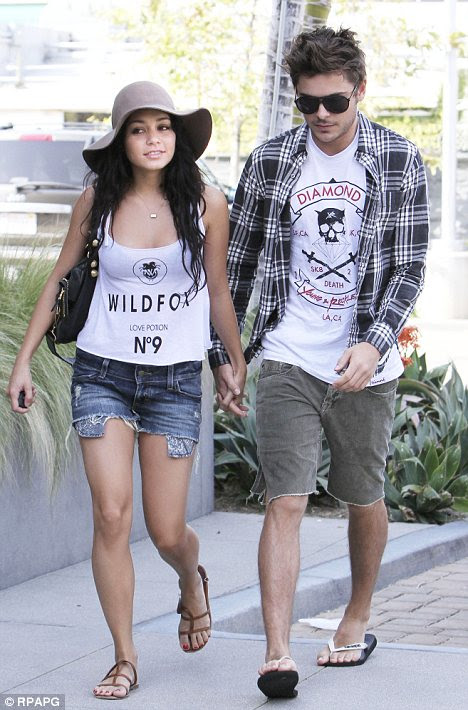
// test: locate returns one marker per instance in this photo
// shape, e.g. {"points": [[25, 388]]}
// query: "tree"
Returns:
{"points": [[207, 52], [394, 59], [288, 18], [316, 13]]}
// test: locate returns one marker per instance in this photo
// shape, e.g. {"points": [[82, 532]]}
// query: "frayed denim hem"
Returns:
{"points": [[92, 427], [262, 496], [358, 505], [178, 447]]}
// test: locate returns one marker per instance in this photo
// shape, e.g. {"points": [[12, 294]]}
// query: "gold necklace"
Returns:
{"points": [[151, 214]]}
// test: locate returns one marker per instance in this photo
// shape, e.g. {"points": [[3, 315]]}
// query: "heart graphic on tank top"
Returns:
{"points": [[150, 271]]}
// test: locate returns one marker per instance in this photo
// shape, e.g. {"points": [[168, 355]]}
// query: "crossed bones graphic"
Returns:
{"points": [[331, 270]]}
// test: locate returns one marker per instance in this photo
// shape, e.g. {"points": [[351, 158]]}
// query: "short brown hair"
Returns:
{"points": [[325, 50]]}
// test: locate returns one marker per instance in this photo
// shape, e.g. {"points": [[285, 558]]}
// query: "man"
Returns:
{"points": [[339, 208]]}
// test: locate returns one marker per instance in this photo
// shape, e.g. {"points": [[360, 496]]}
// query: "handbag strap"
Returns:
{"points": [[92, 256], [50, 340]]}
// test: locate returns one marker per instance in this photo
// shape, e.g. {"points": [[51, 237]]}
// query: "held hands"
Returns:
{"points": [[20, 381], [356, 366], [230, 384]]}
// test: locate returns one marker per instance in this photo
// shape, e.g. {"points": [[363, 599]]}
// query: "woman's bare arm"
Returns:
{"points": [[223, 317], [42, 317]]}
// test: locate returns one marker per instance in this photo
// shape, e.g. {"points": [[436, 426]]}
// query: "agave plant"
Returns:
{"points": [[427, 471], [424, 484], [235, 442]]}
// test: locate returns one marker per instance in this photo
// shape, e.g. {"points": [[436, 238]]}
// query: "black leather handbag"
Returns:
{"points": [[73, 300]]}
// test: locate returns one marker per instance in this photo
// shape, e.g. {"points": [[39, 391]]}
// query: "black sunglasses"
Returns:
{"points": [[334, 103]]}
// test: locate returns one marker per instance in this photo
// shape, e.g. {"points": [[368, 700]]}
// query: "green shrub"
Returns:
{"points": [[427, 469], [42, 435], [235, 442]]}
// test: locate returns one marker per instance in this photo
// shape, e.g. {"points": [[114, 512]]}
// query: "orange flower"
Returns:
{"points": [[408, 340], [409, 337]]}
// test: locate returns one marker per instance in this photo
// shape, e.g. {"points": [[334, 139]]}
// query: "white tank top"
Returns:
{"points": [[142, 310]]}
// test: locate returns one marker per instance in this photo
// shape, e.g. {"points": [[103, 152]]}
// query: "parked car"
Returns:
{"points": [[42, 175]]}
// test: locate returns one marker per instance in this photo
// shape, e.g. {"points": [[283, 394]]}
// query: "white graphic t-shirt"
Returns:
{"points": [[327, 204], [142, 309]]}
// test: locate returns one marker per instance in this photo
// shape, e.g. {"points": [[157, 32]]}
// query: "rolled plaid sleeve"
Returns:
{"points": [[245, 245], [407, 260]]}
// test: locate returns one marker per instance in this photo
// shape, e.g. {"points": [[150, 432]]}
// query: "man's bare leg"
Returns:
{"points": [[279, 563], [367, 532]]}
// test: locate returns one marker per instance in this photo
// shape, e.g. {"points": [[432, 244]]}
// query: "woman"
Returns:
{"points": [[162, 274]]}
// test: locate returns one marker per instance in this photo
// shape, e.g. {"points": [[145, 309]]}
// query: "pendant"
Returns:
{"points": [[153, 215]]}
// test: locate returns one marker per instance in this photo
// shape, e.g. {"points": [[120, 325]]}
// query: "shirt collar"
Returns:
{"points": [[366, 135], [300, 139], [366, 153]]}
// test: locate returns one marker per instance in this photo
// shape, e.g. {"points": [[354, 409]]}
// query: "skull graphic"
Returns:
{"points": [[331, 224]]}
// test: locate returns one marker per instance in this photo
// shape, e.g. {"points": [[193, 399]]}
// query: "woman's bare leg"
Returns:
{"points": [[108, 464], [165, 489]]}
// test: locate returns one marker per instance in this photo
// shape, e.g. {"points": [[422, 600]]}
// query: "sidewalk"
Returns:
{"points": [[429, 609], [53, 638]]}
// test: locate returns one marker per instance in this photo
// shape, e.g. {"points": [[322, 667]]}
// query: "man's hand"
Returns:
{"points": [[358, 363], [230, 389]]}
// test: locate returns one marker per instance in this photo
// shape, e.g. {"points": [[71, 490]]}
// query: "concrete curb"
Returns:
{"points": [[327, 585], [318, 643]]}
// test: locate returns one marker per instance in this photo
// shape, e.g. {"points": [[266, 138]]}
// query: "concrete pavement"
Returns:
{"points": [[53, 638], [428, 609]]}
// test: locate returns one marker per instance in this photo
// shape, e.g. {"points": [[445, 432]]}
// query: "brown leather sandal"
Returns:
{"points": [[187, 615], [114, 684]]}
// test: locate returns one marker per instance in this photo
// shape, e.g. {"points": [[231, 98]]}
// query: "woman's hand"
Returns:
{"points": [[229, 378], [230, 384], [20, 380], [43, 316]]}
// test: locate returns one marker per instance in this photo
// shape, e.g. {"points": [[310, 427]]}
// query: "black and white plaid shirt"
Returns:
{"points": [[392, 245]]}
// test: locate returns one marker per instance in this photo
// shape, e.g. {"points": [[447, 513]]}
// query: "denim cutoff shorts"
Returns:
{"points": [[294, 408], [155, 399]]}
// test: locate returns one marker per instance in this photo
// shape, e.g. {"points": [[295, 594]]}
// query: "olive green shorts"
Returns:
{"points": [[293, 408]]}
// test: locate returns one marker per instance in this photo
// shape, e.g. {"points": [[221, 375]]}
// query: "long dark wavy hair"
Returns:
{"points": [[182, 186]]}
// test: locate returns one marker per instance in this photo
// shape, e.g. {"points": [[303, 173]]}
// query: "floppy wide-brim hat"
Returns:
{"points": [[146, 94]]}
